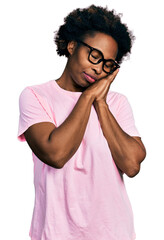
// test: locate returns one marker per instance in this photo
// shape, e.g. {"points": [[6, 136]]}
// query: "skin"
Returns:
{"points": [[55, 146]]}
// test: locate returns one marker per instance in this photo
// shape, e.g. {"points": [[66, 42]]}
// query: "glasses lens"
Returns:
{"points": [[110, 66], [95, 56]]}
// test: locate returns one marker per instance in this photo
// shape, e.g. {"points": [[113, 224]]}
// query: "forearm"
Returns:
{"points": [[126, 151], [65, 139]]}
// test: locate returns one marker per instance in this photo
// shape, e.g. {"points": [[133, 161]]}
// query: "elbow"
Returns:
{"points": [[54, 161], [54, 157], [57, 165], [60, 157], [133, 171], [51, 161], [57, 160], [134, 167]]}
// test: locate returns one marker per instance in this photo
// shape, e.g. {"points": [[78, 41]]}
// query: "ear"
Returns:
{"points": [[71, 47]]}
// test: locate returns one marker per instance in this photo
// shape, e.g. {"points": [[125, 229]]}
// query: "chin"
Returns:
{"points": [[82, 84]]}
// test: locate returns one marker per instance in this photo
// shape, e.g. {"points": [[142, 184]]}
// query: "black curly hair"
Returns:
{"points": [[81, 22]]}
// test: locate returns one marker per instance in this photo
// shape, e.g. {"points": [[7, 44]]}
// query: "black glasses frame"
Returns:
{"points": [[100, 60]]}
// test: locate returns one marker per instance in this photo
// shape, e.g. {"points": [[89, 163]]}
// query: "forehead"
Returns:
{"points": [[103, 42]]}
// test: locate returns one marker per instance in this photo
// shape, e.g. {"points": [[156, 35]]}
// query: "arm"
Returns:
{"points": [[128, 152], [55, 146]]}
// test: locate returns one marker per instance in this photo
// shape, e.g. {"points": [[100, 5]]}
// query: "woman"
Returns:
{"points": [[83, 135]]}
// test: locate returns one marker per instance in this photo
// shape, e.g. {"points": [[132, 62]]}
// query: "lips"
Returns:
{"points": [[89, 78]]}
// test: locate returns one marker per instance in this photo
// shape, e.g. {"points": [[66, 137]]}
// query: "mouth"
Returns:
{"points": [[89, 78]]}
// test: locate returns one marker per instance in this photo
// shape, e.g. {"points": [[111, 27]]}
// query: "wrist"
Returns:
{"points": [[87, 95], [100, 103]]}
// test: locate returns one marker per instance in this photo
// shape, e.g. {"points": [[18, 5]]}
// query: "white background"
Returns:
{"points": [[28, 56]]}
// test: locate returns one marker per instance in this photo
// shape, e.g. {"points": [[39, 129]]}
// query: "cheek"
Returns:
{"points": [[81, 61]]}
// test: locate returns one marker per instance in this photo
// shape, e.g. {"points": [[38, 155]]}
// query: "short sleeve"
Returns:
{"points": [[33, 110], [125, 117]]}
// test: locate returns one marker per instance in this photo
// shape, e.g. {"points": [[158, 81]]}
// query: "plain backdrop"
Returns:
{"points": [[28, 56]]}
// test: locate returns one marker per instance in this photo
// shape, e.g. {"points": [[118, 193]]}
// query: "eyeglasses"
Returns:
{"points": [[95, 56]]}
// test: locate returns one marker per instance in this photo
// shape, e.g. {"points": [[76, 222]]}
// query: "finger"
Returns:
{"points": [[112, 76], [116, 72]]}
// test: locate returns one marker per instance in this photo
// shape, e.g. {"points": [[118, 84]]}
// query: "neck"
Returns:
{"points": [[67, 83]]}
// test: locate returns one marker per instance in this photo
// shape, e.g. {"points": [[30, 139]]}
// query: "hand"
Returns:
{"points": [[100, 88]]}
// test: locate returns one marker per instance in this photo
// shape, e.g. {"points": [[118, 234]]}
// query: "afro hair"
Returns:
{"points": [[94, 19]]}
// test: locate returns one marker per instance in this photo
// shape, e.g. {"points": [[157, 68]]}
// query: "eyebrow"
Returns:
{"points": [[90, 46], [95, 49]]}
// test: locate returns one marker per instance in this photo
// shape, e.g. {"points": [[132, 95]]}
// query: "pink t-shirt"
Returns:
{"points": [[86, 199]]}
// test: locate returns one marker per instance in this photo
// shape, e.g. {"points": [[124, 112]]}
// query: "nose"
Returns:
{"points": [[97, 68]]}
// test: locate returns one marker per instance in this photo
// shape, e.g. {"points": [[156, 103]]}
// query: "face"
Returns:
{"points": [[81, 72]]}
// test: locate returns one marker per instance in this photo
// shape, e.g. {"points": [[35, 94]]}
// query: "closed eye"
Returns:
{"points": [[95, 57]]}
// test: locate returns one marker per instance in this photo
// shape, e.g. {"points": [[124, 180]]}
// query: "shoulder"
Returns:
{"points": [[116, 100], [37, 95], [43, 90], [115, 96], [37, 99]]}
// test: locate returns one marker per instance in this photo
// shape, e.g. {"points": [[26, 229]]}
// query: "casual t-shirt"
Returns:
{"points": [[86, 199]]}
